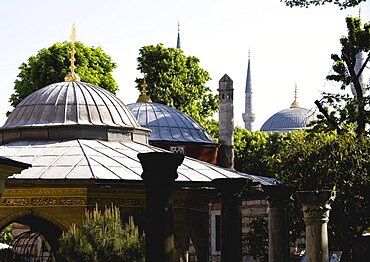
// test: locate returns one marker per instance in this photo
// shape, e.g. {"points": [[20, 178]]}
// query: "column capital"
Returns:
{"points": [[232, 187], [278, 195], [316, 204], [163, 163]]}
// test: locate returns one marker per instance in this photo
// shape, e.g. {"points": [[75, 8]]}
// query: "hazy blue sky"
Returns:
{"points": [[287, 45]]}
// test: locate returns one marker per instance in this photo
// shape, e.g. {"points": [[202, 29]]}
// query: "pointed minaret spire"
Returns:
{"points": [[178, 45], [72, 76], [295, 103], [248, 116], [359, 12]]}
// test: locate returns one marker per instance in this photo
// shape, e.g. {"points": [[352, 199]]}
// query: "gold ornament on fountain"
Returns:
{"points": [[143, 97], [72, 76]]}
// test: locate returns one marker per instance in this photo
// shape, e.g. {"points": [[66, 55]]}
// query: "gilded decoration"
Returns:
{"points": [[83, 197], [43, 197]]}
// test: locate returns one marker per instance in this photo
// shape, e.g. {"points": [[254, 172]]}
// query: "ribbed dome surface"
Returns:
{"points": [[71, 103], [169, 124], [289, 119]]}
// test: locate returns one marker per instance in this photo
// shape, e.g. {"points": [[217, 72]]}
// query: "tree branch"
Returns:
{"points": [[361, 123], [331, 121], [363, 66]]}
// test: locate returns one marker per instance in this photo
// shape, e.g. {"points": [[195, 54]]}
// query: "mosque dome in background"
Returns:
{"points": [[169, 124], [290, 119]]}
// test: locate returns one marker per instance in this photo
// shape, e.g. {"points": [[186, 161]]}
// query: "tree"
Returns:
{"points": [[306, 3], [6, 235], [256, 239], [314, 161], [177, 80], [252, 150], [342, 110], [51, 65], [328, 160], [103, 238]]}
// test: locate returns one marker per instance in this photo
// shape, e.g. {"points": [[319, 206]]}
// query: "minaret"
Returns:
{"points": [[360, 60], [226, 122], [178, 44], [248, 116], [363, 79]]}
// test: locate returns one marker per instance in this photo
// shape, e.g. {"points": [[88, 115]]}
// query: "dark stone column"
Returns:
{"points": [[316, 208], [279, 244], [200, 234], [230, 190], [182, 229], [159, 174]]}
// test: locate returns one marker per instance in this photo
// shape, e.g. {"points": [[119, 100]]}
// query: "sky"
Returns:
{"points": [[288, 46]]}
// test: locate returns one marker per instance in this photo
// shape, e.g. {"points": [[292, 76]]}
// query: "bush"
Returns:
{"points": [[102, 237]]}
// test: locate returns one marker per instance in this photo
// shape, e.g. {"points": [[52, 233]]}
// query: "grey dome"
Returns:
{"points": [[288, 120], [169, 124], [71, 103]]}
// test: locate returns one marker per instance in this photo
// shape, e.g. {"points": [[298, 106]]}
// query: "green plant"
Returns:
{"points": [[6, 235], [256, 240], [102, 237]]}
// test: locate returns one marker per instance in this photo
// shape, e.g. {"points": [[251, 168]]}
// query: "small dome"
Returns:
{"points": [[71, 103], [169, 124], [288, 120]]}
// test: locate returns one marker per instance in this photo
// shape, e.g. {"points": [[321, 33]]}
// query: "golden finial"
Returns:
{"points": [[72, 76], [143, 98], [295, 102]]}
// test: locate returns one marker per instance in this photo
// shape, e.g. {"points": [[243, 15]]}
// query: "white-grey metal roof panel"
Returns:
{"points": [[95, 159]]}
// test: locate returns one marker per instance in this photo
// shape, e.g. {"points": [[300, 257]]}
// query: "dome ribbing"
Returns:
{"points": [[169, 124], [288, 120], [71, 103]]}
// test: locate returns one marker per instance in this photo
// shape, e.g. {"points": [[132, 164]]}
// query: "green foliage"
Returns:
{"points": [[306, 3], [6, 235], [178, 81], [314, 161], [256, 240], [252, 150], [340, 111], [327, 160], [51, 65], [103, 238]]}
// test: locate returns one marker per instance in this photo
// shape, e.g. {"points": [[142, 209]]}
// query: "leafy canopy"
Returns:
{"points": [[327, 160], [176, 80], [314, 161], [341, 111], [252, 150], [51, 65], [6, 235], [102, 237], [306, 3]]}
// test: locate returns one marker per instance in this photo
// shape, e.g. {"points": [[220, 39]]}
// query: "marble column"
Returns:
{"points": [[232, 195], [316, 208], [159, 174], [279, 245]]}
